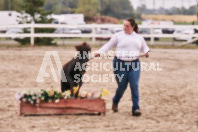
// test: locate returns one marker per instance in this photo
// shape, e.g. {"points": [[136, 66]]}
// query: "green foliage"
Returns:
{"points": [[117, 8], [10, 4], [1, 5], [34, 12], [49, 95], [171, 11], [114, 8], [35, 97], [88, 7], [61, 6]]}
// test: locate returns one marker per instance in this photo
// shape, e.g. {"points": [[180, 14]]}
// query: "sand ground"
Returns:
{"points": [[168, 98]]}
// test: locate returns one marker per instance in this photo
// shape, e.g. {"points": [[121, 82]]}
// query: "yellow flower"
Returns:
{"points": [[42, 98], [75, 89], [104, 92], [50, 92], [89, 95], [69, 92]]}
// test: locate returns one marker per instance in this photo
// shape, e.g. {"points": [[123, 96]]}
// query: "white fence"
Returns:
{"points": [[93, 35]]}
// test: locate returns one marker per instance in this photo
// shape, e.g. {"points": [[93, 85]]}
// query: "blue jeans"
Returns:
{"points": [[127, 72]]}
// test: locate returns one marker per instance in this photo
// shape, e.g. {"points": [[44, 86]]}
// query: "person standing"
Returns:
{"points": [[126, 63]]}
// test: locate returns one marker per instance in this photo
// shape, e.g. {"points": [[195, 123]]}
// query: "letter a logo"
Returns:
{"points": [[48, 62]]}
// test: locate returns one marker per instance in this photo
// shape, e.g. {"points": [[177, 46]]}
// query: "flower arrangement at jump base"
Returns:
{"points": [[49, 95]]}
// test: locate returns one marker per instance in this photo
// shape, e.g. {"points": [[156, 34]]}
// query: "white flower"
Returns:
{"points": [[31, 92], [33, 97], [24, 100], [38, 93], [38, 101], [66, 94], [83, 94], [57, 100], [31, 102]]}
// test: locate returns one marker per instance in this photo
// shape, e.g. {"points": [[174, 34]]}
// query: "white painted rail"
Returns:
{"points": [[92, 35]]}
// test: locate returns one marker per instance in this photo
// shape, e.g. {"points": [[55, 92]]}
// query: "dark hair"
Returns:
{"points": [[133, 24]]}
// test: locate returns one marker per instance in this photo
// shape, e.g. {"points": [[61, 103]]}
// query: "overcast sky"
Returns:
{"points": [[154, 4]]}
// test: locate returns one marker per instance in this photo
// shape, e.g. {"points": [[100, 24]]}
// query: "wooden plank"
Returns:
{"points": [[68, 106]]}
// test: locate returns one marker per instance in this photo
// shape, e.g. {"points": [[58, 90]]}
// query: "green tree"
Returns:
{"points": [[61, 6], [10, 5], [33, 12], [89, 8], [1, 5], [117, 8], [197, 11], [139, 11]]}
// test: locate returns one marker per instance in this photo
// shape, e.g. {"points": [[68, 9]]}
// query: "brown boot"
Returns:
{"points": [[136, 113], [115, 108]]}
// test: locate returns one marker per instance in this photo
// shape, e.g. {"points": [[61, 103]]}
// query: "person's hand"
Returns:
{"points": [[147, 54], [96, 55]]}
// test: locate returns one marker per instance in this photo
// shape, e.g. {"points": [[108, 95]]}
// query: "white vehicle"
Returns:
{"points": [[185, 32], [13, 31], [68, 30], [158, 23], [157, 31], [75, 31], [104, 32], [68, 19], [115, 30], [8, 18]]}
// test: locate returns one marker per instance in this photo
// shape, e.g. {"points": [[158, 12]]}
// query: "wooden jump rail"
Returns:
{"points": [[65, 106]]}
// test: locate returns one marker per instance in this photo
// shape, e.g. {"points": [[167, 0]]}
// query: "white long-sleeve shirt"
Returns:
{"points": [[128, 46]]}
